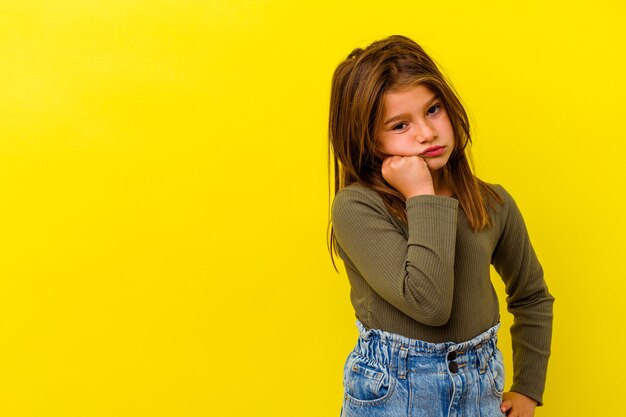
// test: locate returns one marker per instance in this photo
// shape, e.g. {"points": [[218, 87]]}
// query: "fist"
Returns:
{"points": [[408, 174]]}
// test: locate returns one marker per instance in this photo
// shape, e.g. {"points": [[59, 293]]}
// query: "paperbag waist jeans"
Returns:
{"points": [[391, 375]]}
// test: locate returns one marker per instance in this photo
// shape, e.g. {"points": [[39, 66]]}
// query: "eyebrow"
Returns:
{"points": [[404, 115]]}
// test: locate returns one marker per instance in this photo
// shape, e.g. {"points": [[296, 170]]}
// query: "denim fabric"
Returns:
{"points": [[391, 375]]}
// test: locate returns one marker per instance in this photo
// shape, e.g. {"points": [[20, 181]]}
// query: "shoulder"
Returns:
{"points": [[357, 194], [506, 213], [499, 190], [356, 200], [499, 202]]}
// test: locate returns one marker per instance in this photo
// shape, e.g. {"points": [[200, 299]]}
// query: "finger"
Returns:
{"points": [[506, 406], [387, 161]]}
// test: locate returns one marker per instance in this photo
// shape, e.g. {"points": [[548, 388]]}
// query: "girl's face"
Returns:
{"points": [[415, 122]]}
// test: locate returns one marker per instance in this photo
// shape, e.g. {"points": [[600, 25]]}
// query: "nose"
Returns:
{"points": [[424, 132]]}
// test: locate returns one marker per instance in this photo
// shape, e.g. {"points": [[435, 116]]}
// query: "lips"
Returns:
{"points": [[433, 151]]}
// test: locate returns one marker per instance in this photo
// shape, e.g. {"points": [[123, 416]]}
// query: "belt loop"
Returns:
{"points": [[483, 358], [402, 360]]}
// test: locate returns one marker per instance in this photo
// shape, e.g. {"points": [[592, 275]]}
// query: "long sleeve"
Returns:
{"points": [[414, 274], [528, 300]]}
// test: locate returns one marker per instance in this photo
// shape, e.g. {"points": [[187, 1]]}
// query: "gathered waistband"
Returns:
{"points": [[420, 346]]}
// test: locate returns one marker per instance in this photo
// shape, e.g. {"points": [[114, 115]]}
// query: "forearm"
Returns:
{"points": [[414, 271], [531, 336]]}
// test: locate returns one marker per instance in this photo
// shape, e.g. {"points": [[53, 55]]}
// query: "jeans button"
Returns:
{"points": [[453, 367], [452, 356]]}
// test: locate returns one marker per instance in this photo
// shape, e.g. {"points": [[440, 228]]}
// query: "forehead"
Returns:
{"points": [[411, 97]]}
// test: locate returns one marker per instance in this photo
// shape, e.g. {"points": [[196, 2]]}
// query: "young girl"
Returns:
{"points": [[417, 233]]}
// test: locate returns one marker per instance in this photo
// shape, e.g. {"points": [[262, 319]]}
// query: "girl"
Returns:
{"points": [[417, 233]]}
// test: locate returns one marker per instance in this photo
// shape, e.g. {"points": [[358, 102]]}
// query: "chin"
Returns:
{"points": [[437, 164], [435, 167]]}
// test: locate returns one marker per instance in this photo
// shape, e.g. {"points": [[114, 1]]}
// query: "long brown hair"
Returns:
{"points": [[358, 86]]}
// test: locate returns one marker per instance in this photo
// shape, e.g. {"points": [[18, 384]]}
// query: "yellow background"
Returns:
{"points": [[164, 195]]}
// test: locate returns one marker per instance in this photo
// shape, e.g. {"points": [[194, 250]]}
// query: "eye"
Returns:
{"points": [[399, 126], [434, 109]]}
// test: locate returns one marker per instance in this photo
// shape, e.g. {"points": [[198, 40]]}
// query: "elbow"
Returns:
{"points": [[437, 312], [431, 306], [437, 318], [540, 300]]}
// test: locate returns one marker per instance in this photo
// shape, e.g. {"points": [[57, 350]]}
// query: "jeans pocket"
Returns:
{"points": [[366, 381], [496, 370]]}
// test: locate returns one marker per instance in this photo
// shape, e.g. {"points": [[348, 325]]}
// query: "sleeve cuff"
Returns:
{"points": [[432, 199], [533, 396]]}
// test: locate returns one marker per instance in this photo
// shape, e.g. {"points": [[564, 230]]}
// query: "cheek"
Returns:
{"points": [[448, 126], [397, 147], [386, 145], [446, 132]]}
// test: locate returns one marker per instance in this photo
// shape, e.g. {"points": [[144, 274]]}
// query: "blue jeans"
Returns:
{"points": [[391, 375]]}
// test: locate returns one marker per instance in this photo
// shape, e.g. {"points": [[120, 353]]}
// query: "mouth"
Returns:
{"points": [[433, 151]]}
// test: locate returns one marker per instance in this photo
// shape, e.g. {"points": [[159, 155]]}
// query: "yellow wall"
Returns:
{"points": [[164, 195]]}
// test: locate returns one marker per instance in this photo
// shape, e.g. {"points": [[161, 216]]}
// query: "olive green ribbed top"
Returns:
{"points": [[429, 279]]}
